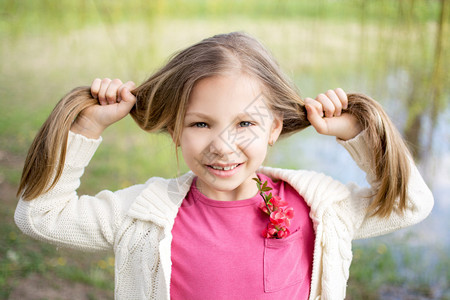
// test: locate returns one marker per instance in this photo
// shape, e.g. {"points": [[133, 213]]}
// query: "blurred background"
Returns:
{"points": [[395, 51]]}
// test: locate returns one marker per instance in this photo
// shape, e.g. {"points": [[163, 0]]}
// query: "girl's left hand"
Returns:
{"points": [[325, 113]]}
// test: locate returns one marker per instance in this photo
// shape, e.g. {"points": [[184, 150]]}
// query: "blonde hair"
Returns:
{"points": [[162, 100]]}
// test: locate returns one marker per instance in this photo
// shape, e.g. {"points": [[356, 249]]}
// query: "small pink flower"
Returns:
{"points": [[270, 231], [289, 212], [282, 216], [283, 233], [263, 207], [278, 202], [278, 217]]}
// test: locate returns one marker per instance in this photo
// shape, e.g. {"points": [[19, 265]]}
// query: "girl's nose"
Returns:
{"points": [[223, 145]]}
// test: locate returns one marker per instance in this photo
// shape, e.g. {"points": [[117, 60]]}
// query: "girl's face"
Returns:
{"points": [[225, 136]]}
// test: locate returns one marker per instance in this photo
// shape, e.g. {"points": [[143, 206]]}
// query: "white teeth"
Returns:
{"points": [[224, 168]]}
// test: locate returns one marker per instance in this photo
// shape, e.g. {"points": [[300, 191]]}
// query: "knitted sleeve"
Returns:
{"points": [[419, 197], [63, 218]]}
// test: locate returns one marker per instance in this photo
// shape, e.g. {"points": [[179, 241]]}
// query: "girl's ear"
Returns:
{"points": [[275, 130]]}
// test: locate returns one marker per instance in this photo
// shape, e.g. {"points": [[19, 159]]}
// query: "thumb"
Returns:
{"points": [[127, 98], [316, 119]]}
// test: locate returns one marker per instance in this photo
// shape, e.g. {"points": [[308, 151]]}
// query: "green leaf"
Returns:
{"points": [[257, 180]]}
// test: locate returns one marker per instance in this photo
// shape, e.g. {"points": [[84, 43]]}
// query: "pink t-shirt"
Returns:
{"points": [[218, 251]]}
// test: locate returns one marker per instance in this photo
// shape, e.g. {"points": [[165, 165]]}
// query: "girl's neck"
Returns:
{"points": [[244, 191]]}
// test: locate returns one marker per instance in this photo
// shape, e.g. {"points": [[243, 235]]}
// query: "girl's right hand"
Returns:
{"points": [[326, 116], [115, 102]]}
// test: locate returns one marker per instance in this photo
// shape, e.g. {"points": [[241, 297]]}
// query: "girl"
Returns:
{"points": [[198, 236]]}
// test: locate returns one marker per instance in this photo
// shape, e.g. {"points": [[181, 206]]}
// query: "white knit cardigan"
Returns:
{"points": [[136, 222]]}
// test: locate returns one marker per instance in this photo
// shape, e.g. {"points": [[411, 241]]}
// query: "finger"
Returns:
{"points": [[316, 105], [342, 97], [102, 92], [130, 85], [336, 102], [95, 87], [128, 101], [112, 91], [327, 104], [316, 119]]}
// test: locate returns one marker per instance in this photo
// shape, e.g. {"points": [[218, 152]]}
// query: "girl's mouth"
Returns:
{"points": [[223, 170]]}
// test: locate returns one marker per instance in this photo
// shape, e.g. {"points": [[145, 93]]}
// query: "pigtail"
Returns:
{"points": [[154, 110], [294, 116], [390, 154], [45, 159]]}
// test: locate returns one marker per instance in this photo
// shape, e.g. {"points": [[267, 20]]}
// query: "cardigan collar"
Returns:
{"points": [[160, 200]]}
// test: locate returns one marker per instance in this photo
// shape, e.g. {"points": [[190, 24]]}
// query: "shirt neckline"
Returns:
{"points": [[198, 196]]}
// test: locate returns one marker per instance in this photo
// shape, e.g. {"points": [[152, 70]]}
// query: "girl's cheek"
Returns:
{"points": [[195, 141], [256, 140], [262, 134]]}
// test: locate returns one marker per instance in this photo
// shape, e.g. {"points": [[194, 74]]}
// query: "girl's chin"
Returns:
{"points": [[217, 188]]}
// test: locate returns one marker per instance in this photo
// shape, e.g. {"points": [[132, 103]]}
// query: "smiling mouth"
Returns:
{"points": [[224, 168]]}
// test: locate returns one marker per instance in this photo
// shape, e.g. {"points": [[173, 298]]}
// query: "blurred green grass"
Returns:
{"points": [[30, 16], [49, 47]]}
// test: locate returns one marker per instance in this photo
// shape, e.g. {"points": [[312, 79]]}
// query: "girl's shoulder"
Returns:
{"points": [[319, 191], [304, 179], [157, 194], [158, 184]]}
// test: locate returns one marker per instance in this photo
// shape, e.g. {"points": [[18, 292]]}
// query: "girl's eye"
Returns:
{"points": [[200, 125], [245, 124]]}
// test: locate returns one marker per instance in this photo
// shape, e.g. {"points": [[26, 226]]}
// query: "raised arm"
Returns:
{"points": [[398, 196], [49, 207], [81, 111]]}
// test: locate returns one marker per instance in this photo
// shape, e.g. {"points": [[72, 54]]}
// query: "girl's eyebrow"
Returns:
{"points": [[240, 116], [245, 115], [197, 114]]}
